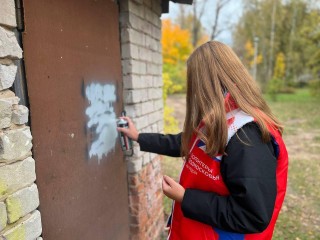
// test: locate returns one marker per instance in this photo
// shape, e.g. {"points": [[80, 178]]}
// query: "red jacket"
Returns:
{"points": [[201, 172], [235, 196]]}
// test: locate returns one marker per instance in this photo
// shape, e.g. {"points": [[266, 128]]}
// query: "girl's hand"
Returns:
{"points": [[172, 189], [131, 132]]}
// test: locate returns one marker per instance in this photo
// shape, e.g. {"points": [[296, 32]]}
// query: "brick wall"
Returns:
{"points": [[142, 80], [19, 198]]}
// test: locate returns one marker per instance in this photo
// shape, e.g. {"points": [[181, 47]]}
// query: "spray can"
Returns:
{"points": [[125, 141]]}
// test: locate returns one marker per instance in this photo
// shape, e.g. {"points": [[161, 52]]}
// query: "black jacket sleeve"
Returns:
{"points": [[169, 144], [249, 171]]}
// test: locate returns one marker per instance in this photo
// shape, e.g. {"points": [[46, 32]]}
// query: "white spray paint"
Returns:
{"points": [[101, 115]]}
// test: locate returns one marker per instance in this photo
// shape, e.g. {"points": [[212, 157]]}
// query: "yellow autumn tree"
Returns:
{"points": [[275, 85], [280, 66], [250, 55], [176, 45], [176, 48]]}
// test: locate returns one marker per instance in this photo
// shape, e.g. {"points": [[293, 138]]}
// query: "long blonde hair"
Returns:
{"points": [[212, 69]]}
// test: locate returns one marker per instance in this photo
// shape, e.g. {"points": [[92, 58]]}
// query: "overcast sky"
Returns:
{"points": [[229, 15]]}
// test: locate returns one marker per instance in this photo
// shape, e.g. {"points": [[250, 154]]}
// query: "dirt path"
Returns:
{"points": [[178, 104]]}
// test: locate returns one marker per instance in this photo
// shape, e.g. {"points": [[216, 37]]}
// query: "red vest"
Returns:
{"points": [[202, 172]]}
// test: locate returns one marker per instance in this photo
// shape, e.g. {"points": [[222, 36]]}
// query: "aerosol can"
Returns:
{"points": [[125, 141]]}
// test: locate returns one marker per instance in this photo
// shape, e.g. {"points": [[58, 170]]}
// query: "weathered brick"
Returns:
{"points": [[153, 18], [136, 37], [157, 21], [123, 19], [28, 229], [146, 27], [9, 47], [145, 202], [157, 81], [126, 67], [134, 81], [149, 81], [156, 7], [156, 32], [147, 3], [22, 202], [155, 93], [143, 102], [129, 51], [158, 70], [135, 22], [8, 13], [149, 15], [16, 176], [145, 54], [133, 180], [158, 104], [134, 166], [146, 159], [15, 144], [138, 1], [133, 67], [155, 117], [160, 126], [149, 42], [133, 110], [141, 122], [147, 107], [141, 67], [137, 152], [3, 216], [136, 8], [160, 48], [154, 128], [5, 113], [146, 129], [135, 96], [7, 75], [152, 68], [157, 58]]}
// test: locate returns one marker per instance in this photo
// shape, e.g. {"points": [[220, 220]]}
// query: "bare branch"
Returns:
{"points": [[202, 10], [197, 15], [219, 6]]}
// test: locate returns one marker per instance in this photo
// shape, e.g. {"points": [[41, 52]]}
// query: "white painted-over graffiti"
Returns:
{"points": [[101, 116]]}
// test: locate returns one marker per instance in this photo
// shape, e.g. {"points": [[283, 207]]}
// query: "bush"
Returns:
{"points": [[314, 87], [288, 90], [177, 75], [170, 123], [274, 87]]}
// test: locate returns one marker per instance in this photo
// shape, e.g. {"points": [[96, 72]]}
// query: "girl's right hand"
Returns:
{"points": [[131, 131]]}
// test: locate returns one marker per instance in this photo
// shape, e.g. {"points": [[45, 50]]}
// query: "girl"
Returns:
{"points": [[234, 177]]}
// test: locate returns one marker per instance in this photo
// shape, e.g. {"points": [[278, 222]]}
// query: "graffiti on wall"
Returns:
{"points": [[101, 118]]}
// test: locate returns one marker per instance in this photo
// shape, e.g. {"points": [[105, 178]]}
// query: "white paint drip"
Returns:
{"points": [[101, 115]]}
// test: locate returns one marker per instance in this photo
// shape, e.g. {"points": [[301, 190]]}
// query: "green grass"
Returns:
{"points": [[300, 216], [299, 110]]}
